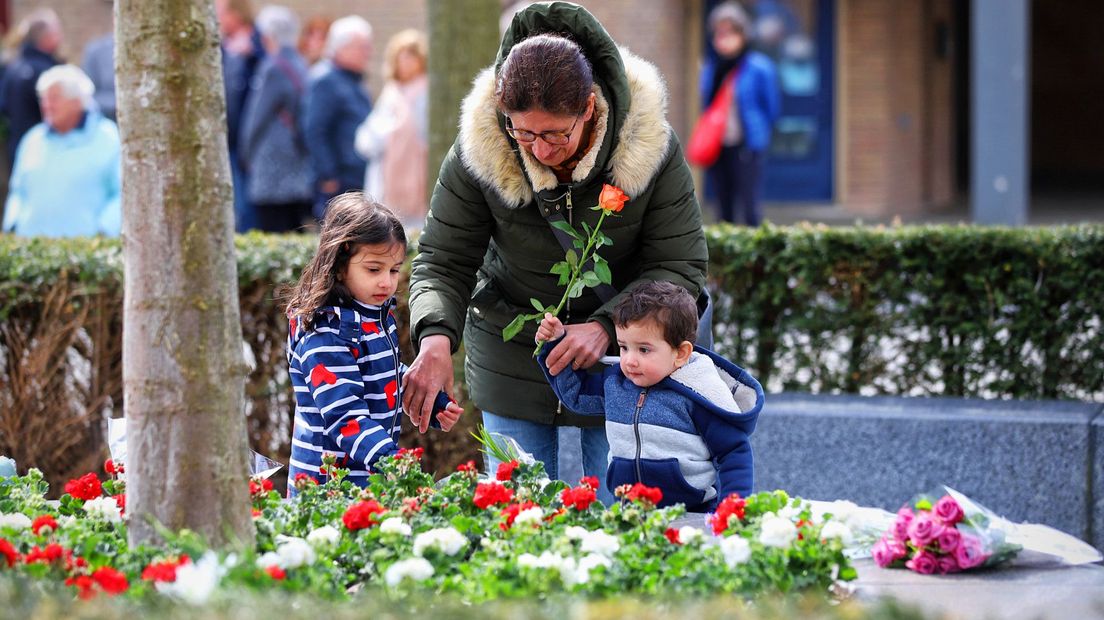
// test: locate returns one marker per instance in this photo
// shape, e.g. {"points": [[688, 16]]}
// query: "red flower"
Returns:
{"points": [[589, 481], [672, 535], [84, 585], [468, 467], [415, 453], [303, 481], [111, 467], [110, 580], [612, 199], [361, 515], [640, 493], [86, 487], [255, 513], [410, 506], [511, 512], [731, 506], [506, 470], [580, 497], [44, 521], [51, 553], [276, 572], [164, 571], [120, 501], [9, 552], [491, 493]]}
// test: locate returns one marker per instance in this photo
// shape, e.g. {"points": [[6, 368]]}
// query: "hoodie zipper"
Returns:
{"points": [[636, 431], [395, 357]]}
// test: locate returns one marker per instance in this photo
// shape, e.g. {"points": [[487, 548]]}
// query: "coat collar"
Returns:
{"points": [[631, 158]]}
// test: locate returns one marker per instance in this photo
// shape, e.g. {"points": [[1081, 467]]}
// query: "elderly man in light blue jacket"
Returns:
{"points": [[65, 182]]}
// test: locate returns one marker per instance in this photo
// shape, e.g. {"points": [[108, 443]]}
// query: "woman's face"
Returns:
{"points": [[408, 65], [538, 121], [727, 39]]}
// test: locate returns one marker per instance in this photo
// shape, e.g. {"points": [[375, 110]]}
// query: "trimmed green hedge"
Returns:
{"points": [[956, 311]]}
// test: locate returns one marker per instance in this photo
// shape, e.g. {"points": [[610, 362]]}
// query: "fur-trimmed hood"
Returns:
{"points": [[637, 150]]}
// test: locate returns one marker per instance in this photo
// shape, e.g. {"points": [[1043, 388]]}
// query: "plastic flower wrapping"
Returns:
{"points": [[945, 532]]}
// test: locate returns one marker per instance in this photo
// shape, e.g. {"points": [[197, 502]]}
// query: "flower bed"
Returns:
{"points": [[515, 535]]}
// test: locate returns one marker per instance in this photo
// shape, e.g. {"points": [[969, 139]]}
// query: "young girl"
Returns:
{"points": [[343, 351]]}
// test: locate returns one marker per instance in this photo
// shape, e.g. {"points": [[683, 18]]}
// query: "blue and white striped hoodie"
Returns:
{"points": [[687, 434], [346, 374]]}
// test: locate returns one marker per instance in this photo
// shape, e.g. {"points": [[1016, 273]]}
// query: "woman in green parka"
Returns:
{"points": [[563, 111]]}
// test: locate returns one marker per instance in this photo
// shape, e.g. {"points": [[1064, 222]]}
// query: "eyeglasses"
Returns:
{"points": [[555, 138]]}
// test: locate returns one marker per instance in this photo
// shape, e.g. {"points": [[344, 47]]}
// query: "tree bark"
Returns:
{"points": [[463, 38], [183, 370]]}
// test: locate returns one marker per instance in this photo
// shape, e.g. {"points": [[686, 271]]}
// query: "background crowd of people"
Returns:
{"points": [[302, 126]]}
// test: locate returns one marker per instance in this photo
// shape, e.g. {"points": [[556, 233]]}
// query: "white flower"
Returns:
{"points": [[416, 569], [588, 562], [600, 542], [325, 536], [268, 560], [532, 515], [446, 539], [777, 531], [104, 509], [574, 532], [736, 550], [195, 581], [294, 552], [836, 529], [66, 521], [394, 525], [842, 510], [688, 534], [15, 520], [793, 509]]}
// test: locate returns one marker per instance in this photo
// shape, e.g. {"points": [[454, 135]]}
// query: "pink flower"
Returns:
{"points": [[948, 539], [923, 562], [970, 552], [923, 529], [887, 551], [947, 564], [900, 526], [948, 511]]}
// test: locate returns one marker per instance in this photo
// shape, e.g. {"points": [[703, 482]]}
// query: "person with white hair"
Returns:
{"points": [[336, 104], [65, 181], [271, 146], [40, 39]]}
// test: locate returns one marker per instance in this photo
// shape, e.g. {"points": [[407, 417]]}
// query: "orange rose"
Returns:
{"points": [[612, 199]]}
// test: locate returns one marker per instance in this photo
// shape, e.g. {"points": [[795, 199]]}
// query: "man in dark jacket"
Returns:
{"points": [[335, 105], [18, 98]]}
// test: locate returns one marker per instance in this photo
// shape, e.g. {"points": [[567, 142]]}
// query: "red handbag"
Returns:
{"points": [[704, 146]]}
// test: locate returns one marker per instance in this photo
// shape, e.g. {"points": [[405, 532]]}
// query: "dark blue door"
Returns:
{"points": [[799, 36]]}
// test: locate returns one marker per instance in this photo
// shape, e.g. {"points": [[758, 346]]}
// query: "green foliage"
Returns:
{"points": [[934, 310]]}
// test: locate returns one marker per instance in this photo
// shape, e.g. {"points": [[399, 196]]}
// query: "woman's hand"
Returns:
{"points": [[583, 345], [550, 328], [449, 416], [430, 373]]}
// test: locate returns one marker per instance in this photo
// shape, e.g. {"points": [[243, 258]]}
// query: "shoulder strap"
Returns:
{"points": [[552, 212]]}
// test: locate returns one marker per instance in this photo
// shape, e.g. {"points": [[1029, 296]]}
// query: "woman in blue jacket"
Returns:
{"points": [[737, 174]]}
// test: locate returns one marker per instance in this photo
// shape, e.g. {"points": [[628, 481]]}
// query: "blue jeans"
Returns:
{"points": [[543, 442]]}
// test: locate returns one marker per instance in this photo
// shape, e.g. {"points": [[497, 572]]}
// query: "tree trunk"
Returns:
{"points": [[463, 38], [183, 371]]}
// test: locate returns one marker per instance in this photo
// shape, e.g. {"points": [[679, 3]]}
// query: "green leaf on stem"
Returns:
{"points": [[514, 327], [602, 270], [537, 304], [591, 279], [572, 259], [576, 289], [564, 226]]}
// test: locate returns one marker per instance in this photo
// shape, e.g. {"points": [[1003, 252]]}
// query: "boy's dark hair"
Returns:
{"points": [[352, 219], [669, 305]]}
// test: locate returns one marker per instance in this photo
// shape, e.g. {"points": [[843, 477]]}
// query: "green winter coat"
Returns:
{"points": [[486, 250]]}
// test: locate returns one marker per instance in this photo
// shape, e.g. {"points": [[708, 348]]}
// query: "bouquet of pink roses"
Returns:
{"points": [[945, 535]]}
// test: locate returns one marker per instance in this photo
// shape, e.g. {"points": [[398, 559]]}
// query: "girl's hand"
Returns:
{"points": [[550, 328], [449, 416], [582, 348]]}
